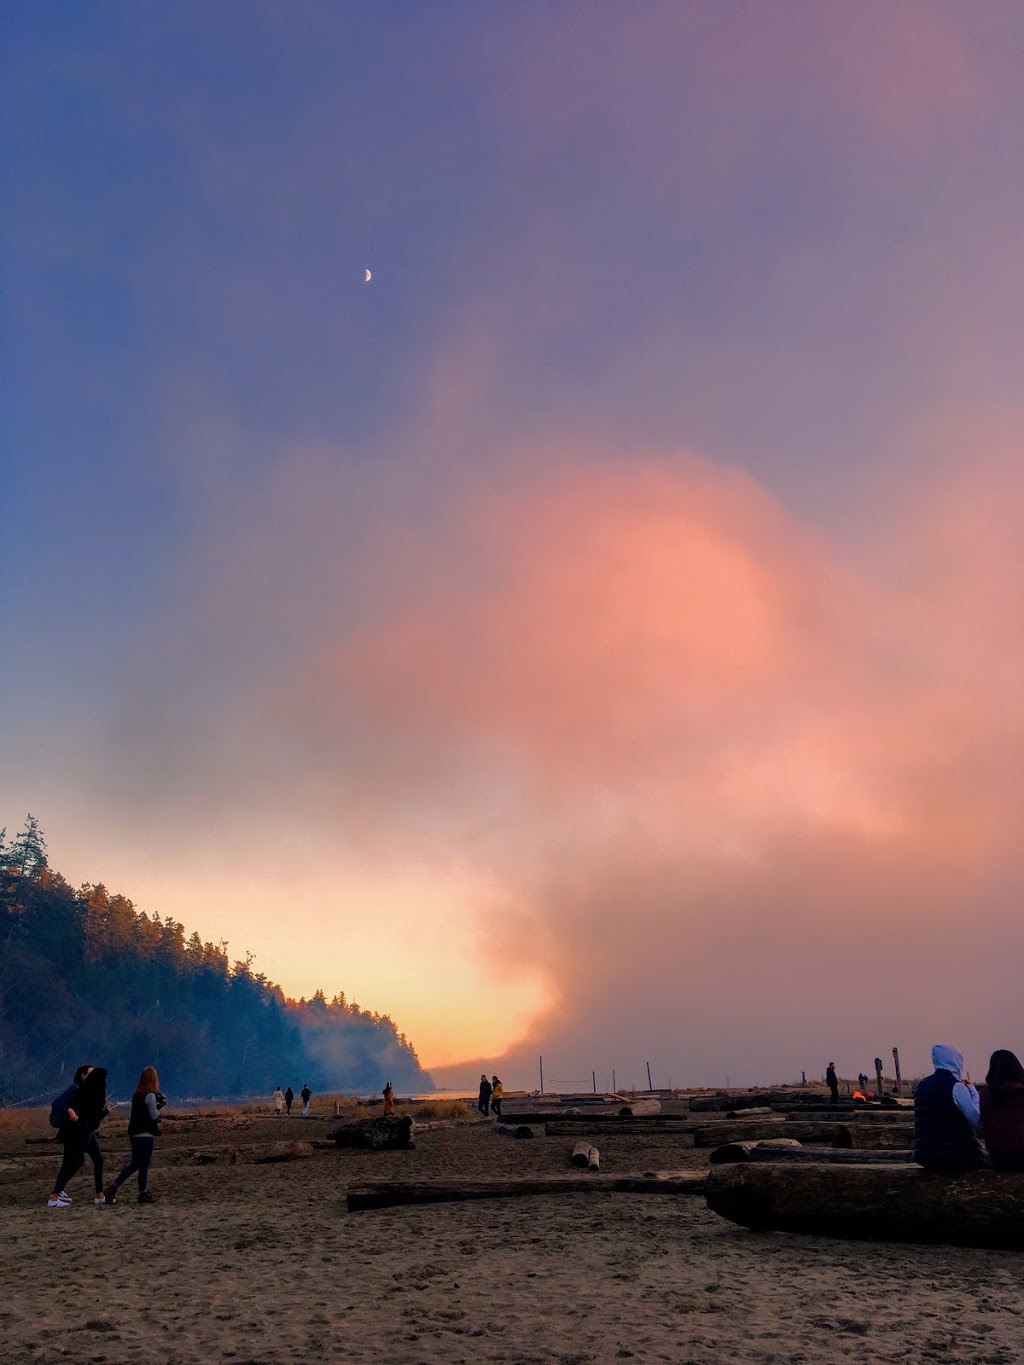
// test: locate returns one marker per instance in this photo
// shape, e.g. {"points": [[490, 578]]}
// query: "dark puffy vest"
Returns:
{"points": [[139, 1121], [943, 1138]]}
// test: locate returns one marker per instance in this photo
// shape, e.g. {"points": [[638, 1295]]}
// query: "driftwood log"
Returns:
{"points": [[635, 1108], [385, 1194], [256, 1152], [879, 1203], [580, 1155], [623, 1127], [876, 1137], [514, 1130], [754, 1130], [594, 1160], [387, 1131], [757, 1112], [781, 1150], [872, 1116]]}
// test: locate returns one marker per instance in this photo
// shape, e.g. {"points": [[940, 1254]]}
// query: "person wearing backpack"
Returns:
{"points": [[79, 1111], [143, 1129]]}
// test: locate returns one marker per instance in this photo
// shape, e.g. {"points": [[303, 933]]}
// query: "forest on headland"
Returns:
{"points": [[84, 976]]}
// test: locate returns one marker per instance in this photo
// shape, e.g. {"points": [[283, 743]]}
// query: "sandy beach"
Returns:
{"points": [[263, 1263]]}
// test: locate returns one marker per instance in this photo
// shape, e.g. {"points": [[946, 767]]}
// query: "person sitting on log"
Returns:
{"points": [[1002, 1111], [947, 1117]]}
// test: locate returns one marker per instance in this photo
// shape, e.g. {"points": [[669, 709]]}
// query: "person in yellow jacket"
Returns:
{"points": [[497, 1090]]}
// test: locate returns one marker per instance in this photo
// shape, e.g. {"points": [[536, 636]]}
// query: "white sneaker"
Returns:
{"points": [[55, 1201], [100, 1199]]}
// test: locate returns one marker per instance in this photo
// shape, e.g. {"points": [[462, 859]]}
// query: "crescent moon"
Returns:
{"points": [[367, 276]]}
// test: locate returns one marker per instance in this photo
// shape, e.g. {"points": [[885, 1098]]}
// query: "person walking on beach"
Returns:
{"points": [[497, 1091], [832, 1081], [389, 1098], [484, 1102], [278, 1098], [289, 1100], [305, 1094], [79, 1110], [947, 1117], [1001, 1099], [143, 1130]]}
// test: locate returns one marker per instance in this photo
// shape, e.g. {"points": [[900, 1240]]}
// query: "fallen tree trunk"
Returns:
{"points": [[593, 1160], [635, 1108], [881, 1137], [879, 1203], [781, 1150], [387, 1131], [749, 1130], [856, 1115], [757, 1112], [627, 1127], [253, 1153], [386, 1194]]}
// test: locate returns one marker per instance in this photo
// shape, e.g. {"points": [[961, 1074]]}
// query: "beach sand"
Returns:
{"points": [[262, 1263]]}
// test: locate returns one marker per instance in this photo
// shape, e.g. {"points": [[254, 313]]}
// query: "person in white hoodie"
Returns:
{"points": [[947, 1117]]}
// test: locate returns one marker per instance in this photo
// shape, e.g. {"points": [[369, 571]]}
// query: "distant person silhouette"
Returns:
{"points": [[484, 1101], [389, 1098], [278, 1098], [1001, 1099], [305, 1094], [832, 1081], [289, 1100]]}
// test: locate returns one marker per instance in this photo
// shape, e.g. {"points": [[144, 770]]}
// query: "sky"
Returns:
{"points": [[597, 637]]}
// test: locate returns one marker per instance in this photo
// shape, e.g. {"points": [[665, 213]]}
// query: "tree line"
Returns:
{"points": [[84, 976]]}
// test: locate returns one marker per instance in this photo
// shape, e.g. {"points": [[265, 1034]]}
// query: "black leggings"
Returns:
{"points": [[142, 1155], [75, 1153]]}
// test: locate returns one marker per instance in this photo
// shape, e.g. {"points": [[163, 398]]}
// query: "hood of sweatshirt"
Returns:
{"points": [[947, 1058]]}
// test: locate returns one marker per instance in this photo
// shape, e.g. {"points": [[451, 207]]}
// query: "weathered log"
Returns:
{"points": [[754, 1130], [384, 1132], [880, 1137], [385, 1194], [514, 1130], [622, 1127], [580, 1154], [255, 1152], [544, 1115], [635, 1108], [887, 1203], [782, 1150], [872, 1116], [757, 1112], [593, 1160], [750, 1099]]}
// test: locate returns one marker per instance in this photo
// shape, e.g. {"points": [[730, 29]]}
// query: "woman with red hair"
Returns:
{"points": [[143, 1128]]}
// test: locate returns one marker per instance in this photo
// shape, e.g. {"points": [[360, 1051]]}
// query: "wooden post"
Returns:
{"points": [[899, 1078], [803, 1077], [580, 1154], [650, 1085], [879, 1083], [615, 1088], [593, 1077], [542, 1075]]}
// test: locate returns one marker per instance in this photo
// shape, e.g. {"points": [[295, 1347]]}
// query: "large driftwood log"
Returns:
{"points": [[755, 1129], [757, 1112], [593, 1160], [876, 1137], [546, 1114], [384, 1194], [252, 1152], [781, 1150], [872, 1116], [384, 1132], [751, 1099], [622, 1127], [881, 1203], [635, 1108]]}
